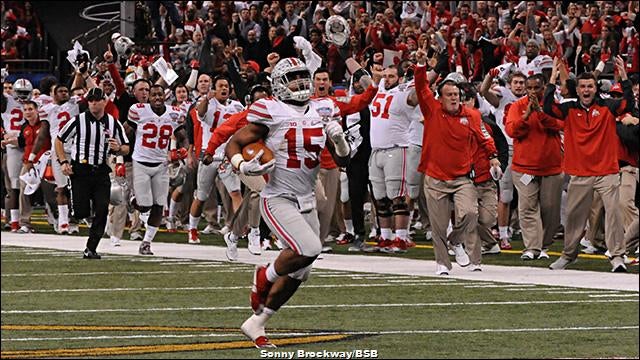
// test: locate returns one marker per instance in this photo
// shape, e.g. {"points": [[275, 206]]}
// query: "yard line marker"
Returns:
{"points": [[539, 289], [319, 306], [500, 286], [613, 295], [278, 335], [582, 292]]}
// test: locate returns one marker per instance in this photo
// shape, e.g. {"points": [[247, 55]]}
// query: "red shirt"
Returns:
{"points": [[592, 27], [28, 136], [449, 141], [536, 141], [590, 137]]}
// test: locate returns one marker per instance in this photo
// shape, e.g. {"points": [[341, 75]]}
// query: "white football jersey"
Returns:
{"points": [[12, 118], [58, 115], [391, 117], [217, 113], [506, 99], [153, 132], [296, 137], [535, 66], [416, 127]]}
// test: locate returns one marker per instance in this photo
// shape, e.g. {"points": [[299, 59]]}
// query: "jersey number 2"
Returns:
{"points": [[162, 133]]}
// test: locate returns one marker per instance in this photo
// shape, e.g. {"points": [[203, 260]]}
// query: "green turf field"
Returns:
{"points": [[56, 305]]}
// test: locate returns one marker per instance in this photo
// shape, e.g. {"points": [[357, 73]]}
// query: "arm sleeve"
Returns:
{"points": [[224, 132], [117, 80], [549, 105], [133, 115], [515, 126], [120, 133], [21, 140], [501, 144], [551, 123], [358, 102], [69, 130], [426, 99], [482, 136], [624, 105]]}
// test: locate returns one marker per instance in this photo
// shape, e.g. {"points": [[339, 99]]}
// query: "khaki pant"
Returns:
{"points": [[327, 195], [579, 198], [539, 209], [631, 237], [248, 213], [629, 211], [441, 195], [628, 183], [118, 214], [487, 211], [422, 206]]}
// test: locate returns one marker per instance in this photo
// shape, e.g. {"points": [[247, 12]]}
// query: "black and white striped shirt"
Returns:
{"points": [[91, 137]]}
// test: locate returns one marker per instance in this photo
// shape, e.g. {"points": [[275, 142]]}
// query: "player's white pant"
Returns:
{"points": [[150, 184], [207, 175], [14, 165], [297, 231], [506, 182], [414, 152], [61, 179], [387, 172]]}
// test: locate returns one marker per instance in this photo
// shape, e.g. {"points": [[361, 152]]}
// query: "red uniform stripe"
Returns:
{"points": [[404, 172], [259, 114], [279, 229]]}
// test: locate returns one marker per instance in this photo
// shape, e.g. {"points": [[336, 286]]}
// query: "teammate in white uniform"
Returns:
{"points": [[54, 116], [392, 112], [155, 124], [501, 99], [533, 63], [12, 120], [296, 129], [213, 110]]}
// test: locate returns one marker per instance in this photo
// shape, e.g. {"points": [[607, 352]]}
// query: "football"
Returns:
{"points": [[249, 151]]}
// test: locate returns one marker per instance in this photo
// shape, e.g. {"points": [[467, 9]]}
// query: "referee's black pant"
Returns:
{"points": [[91, 187]]}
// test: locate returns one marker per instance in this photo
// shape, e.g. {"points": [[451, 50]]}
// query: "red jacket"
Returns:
{"points": [[624, 153], [28, 136], [481, 164], [449, 141], [536, 142], [356, 104], [590, 138]]}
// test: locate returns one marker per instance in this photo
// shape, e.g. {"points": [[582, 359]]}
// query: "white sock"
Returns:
{"points": [[264, 316], [193, 222], [410, 218], [272, 275], [349, 225], [173, 207], [15, 215], [233, 237], [255, 231], [504, 232], [63, 214], [386, 233], [403, 234], [150, 233]]}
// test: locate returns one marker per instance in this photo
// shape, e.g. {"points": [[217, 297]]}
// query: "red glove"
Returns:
{"points": [[586, 58], [178, 154], [605, 56], [195, 64], [494, 72], [121, 170]]}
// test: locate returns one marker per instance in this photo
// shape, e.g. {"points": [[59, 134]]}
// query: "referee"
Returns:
{"points": [[95, 134]]}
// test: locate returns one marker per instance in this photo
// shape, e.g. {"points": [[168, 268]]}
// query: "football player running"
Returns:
{"points": [[296, 128]]}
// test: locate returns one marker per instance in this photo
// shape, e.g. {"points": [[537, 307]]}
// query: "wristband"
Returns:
{"points": [[65, 161], [494, 156], [236, 160], [32, 157]]}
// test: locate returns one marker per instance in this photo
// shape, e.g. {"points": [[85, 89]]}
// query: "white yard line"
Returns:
{"points": [[318, 306], [356, 263], [279, 335]]}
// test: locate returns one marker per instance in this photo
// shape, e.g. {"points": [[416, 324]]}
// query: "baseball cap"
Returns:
{"points": [[616, 88], [95, 94]]}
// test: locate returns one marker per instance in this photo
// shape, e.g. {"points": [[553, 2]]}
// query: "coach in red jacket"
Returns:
{"points": [[451, 134], [591, 158], [537, 169]]}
